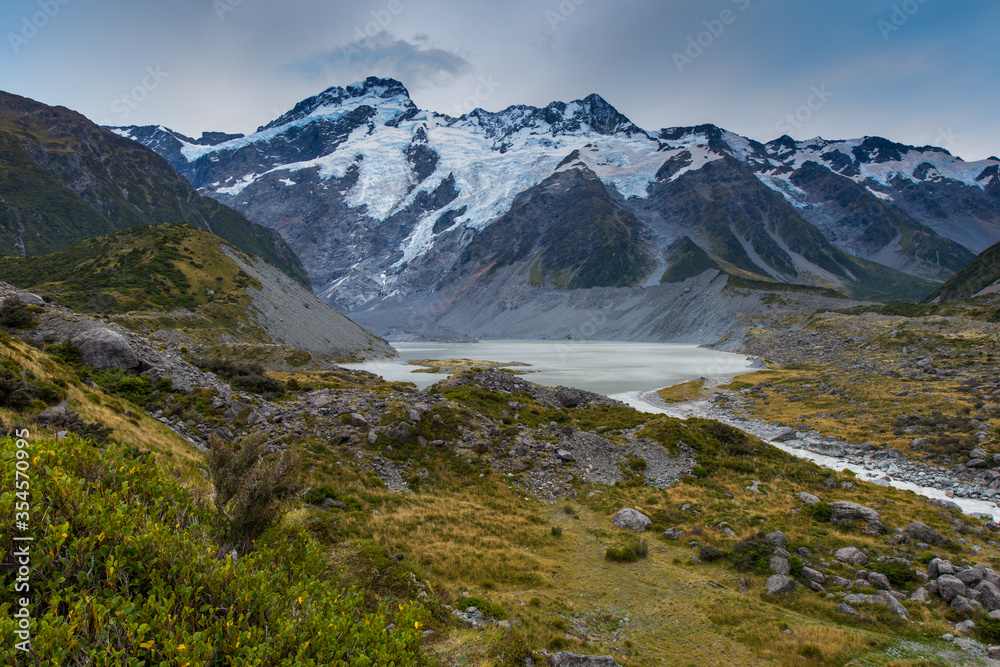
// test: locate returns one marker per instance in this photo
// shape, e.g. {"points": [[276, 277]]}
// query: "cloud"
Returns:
{"points": [[416, 62]]}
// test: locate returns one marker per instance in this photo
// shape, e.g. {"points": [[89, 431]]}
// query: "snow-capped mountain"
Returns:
{"points": [[383, 201]]}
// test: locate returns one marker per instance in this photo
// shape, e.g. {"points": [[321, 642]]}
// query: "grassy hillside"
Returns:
{"points": [[979, 274], [145, 275], [131, 559], [64, 179]]}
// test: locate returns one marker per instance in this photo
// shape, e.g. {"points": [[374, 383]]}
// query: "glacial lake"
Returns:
{"points": [[607, 368]]}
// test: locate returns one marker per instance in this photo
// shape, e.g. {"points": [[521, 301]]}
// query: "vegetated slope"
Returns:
{"points": [[63, 179], [183, 279], [979, 277], [383, 201], [446, 504]]}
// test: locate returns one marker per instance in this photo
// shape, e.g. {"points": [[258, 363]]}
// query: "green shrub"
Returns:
{"points": [[710, 554], [135, 388], [621, 555], [699, 472], [899, 575], [821, 511], [126, 570], [988, 630], [318, 494], [556, 531], [811, 652], [796, 565], [15, 393], [67, 352], [249, 486], [15, 314], [486, 607], [752, 554]]}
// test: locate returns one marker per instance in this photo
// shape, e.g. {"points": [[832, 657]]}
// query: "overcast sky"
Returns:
{"points": [[915, 71]]}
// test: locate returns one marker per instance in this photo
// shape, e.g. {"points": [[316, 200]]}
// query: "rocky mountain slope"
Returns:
{"points": [[191, 288], [980, 277], [64, 179], [382, 200]]}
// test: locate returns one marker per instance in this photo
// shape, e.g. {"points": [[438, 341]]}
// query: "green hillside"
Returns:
{"points": [[64, 179]]}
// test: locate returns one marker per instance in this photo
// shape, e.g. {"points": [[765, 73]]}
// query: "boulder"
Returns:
{"points": [[776, 539], [780, 565], [779, 584], [848, 610], [786, 435], [672, 534], [977, 453], [921, 532], [814, 575], [632, 519], [851, 556], [970, 577], [567, 659], [565, 455], [105, 348], [963, 605], [989, 595], [949, 587], [894, 604], [965, 626], [808, 498], [850, 514], [569, 397], [879, 581], [937, 567], [920, 595]]}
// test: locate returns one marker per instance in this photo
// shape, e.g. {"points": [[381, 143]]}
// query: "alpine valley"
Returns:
{"points": [[418, 223]]}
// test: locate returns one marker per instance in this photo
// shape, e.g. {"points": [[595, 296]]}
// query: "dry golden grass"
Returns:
{"points": [[685, 391]]}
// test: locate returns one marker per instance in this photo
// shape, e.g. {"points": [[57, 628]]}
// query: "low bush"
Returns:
{"points": [[126, 571], [899, 575], [752, 554], [821, 511], [628, 554], [15, 314], [250, 487], [710, 554], [486, 607], [556, 531]]}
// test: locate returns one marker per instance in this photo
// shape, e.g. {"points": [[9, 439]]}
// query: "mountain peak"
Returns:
{"points": [[373, 91]]}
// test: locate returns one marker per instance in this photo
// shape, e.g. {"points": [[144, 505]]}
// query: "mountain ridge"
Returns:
{"points": [[381, 199]]}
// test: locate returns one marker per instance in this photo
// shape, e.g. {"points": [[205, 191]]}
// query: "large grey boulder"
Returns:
{"points": [[989, 595], [894, 604], [780, 565], [808, 498], [879, 581], [567, 659], [814, 575], [777, 539], [938, 567], [632, 519], [851, 556], [850, 514], [949, 587], [105, 348], [779, 584], [921, 532]]}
